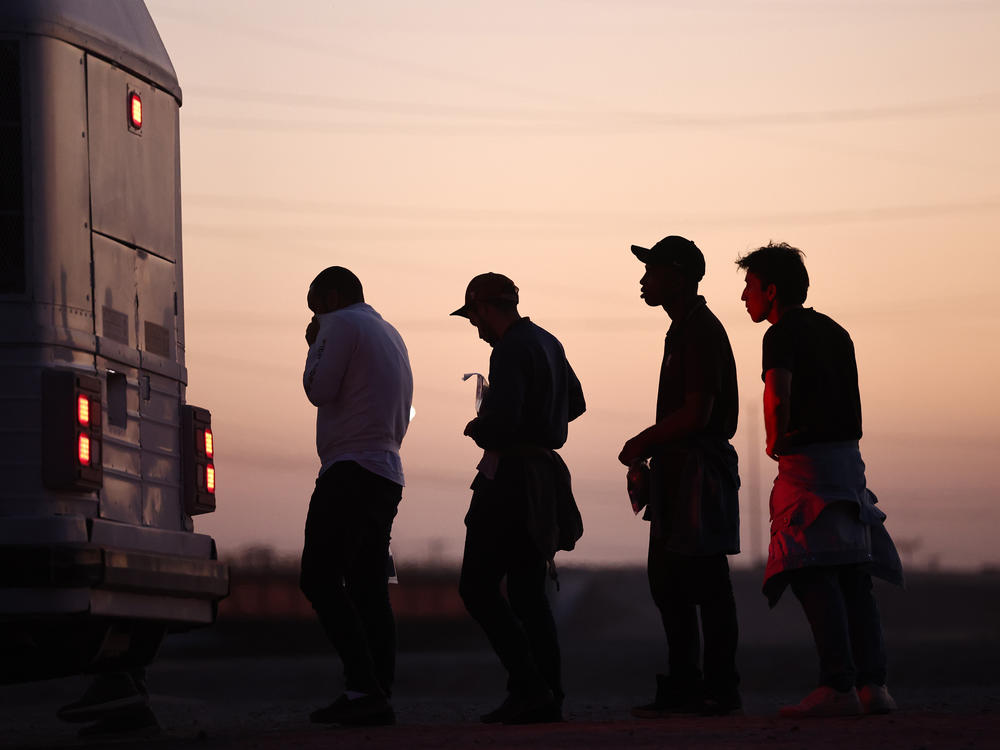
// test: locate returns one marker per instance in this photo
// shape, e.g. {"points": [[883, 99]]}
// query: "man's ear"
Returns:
{"points": [[771, 292]]}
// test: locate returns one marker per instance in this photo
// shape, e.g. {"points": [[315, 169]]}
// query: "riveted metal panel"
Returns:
{"points": [[121, 498], [134, 183], [156, 285], [57, 204], [161, 460], [115, 301]]}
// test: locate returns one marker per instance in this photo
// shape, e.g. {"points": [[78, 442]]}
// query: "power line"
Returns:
{"points": [[505, 217], [329, 49], [974, 103]]}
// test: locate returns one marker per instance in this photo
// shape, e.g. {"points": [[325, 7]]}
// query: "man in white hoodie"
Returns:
{"points": [[358, 376]]}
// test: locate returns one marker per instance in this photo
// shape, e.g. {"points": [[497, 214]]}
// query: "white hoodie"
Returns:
{"points": [[358, 375]]}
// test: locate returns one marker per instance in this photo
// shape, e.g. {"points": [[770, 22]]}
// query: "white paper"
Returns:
{"points": [[481, 387], [488, 464]]}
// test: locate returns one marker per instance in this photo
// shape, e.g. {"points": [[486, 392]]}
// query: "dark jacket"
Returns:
{"points": [[532, 484], [524, 416]]}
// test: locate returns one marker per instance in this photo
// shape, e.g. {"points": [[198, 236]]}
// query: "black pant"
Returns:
{"points": [[520, 628], [845, 622], [344, 571], [679, 584]]}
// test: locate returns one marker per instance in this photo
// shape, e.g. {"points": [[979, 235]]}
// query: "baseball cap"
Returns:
{"points": [[487, 287], [676, 251]]}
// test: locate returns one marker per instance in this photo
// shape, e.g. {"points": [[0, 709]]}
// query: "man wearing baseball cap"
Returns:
{"points": [[522, 510], [693, 505]]}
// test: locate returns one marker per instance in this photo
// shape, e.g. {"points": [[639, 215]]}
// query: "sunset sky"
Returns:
{"points": [[421, 143]]}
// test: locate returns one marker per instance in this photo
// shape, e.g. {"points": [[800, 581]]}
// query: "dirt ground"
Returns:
{"points": [[252, 684]]}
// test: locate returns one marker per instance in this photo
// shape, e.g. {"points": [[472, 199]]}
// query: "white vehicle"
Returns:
{"points": [[103, 464]]}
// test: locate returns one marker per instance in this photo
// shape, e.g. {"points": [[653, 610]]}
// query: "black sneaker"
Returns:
{"points": [[108, 693], [366, 711], [519, 708], [135, 722], [497, 714], [672, 699], [328, 714], [546, 713], [729, 704]]}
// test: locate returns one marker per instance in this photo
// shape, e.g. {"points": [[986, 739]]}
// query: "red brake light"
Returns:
{"points": [[83, 449], [135, 110], [198, 452], [72, 433], [82, 409]]}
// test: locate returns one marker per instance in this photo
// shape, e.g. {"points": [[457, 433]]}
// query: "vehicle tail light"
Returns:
{"points": [[83, 409], [135, 110], [198, 448], [72, 431], [83, 449]]}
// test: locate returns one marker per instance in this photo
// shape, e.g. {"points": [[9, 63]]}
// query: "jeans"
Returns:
{"points": [[846, 627], [679, 585], [520, 627], [344, 571]]}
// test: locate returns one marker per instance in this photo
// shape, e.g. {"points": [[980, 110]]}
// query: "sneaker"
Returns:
{"points": [[824, 701], [497, 714], [108, 693], [546, 713], [726, 705], [134, 722], [518, 708], [875, 699], [672, 699], [366, 711], [328, 714]]}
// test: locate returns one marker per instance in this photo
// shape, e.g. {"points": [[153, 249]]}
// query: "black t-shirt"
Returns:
{"points": [[697, 358], [825, 401]]}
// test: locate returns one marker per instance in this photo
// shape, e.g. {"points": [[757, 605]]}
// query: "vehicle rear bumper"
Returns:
{"points": [[76, 565]]}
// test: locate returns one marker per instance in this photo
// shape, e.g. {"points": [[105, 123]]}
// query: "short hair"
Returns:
{"points": [[780, 264], [340, 280]]}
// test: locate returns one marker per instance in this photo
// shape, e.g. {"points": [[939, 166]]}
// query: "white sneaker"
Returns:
{"points": [[824, 701], [875, 699]]}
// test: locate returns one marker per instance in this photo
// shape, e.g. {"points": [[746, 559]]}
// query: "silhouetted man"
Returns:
{"points": [[693, 502], [358, 375], [522, 508], [827, 536]]}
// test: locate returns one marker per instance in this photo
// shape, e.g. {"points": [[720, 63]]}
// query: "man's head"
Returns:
{"points": [[335, 287], [490, 305], [674, 266], [776, 279]]}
